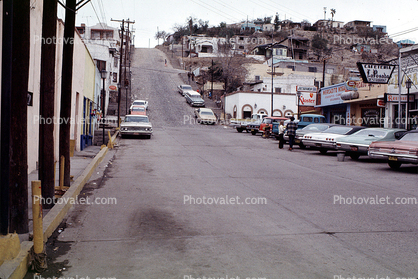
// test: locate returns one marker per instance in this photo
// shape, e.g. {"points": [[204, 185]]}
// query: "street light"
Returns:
{"points": [[103, 74], [298, 94], [408, 84]]}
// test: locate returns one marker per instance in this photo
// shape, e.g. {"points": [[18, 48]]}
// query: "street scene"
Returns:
{"points": [[261, 148]]}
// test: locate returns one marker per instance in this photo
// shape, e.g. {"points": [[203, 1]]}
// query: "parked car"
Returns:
{"points": [[404, 150], [184, 88], [205, 116], [358, 143], [136, 125], [194, 99], [139, 103], [309, 129], [243, 124], [326, 140], [138, 110], [255, 128]]}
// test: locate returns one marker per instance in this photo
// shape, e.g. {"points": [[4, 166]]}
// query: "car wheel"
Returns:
{"points": [[239, 130], [323, 151], [354, 156], [253, 133], [302, 146], [394, 165]]}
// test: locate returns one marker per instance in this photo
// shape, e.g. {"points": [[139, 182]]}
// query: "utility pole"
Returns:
{"points": [[120, 63], [272, 69], [18, 190], [66, 88], [6, 92], [47, 102], [125, 65]]}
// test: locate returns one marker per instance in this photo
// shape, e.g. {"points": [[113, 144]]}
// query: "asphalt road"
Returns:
{"points": [[183, 205]]}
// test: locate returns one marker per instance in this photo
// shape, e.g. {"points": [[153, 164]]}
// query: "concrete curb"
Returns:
{"points": [[18, 267]]}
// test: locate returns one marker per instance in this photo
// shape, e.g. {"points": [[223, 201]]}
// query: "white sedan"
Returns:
{"points": [[139, 103], [205, 116], [136, 125], [327, 139]]}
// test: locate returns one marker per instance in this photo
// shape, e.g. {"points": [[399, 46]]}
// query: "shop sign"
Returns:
{"points": [[394, 98], [331, 95], [381, 103], [375, 73], [307, 99], [306, 88]]}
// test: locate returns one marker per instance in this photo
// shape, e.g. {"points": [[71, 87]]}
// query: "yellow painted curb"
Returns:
{"points": [[9, 247]]}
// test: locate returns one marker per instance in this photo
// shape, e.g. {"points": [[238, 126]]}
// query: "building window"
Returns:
{"points": [[313, 69], [115, 62], [115, 77], [257, 78], [278, 90], [291, 67], [101, 65]]}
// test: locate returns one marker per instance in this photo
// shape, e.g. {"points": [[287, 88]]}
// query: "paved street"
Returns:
{"points": [[199, 200]]}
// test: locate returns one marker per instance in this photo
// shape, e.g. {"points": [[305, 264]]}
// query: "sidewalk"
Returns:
{"points": [[83, 164]]}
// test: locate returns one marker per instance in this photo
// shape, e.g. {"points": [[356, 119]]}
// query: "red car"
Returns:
{"points": [[138, 110], [397, 152]]}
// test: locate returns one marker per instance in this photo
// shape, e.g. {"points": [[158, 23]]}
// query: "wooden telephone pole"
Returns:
{"points": [[121, 81], [47, 101]]}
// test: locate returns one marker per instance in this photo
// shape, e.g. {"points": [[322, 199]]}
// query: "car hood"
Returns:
{"points": [[210, 117], [398, 144]]}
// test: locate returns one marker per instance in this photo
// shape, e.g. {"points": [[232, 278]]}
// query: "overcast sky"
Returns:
{"points": [[398, 16]]}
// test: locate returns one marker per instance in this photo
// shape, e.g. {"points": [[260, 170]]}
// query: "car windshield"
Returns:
{"points": [[138, 109], [314, 127], [206, 113], [196, 98], [267, 120], [186, 87], [136, 119], [410, 137], [338, 130], [139, 103]]}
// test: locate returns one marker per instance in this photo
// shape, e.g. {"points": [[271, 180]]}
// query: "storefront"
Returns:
{"points": [[333, 107]]}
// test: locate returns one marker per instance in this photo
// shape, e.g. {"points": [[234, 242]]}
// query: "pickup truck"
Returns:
{"points": [[266, 121], [243, 124]]}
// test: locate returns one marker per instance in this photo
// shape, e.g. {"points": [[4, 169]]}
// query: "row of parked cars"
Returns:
{"points": [[137, 123], [396, 146], [203, 115]]}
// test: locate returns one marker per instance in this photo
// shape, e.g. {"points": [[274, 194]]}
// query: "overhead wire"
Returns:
{"points": [[211, 8]]}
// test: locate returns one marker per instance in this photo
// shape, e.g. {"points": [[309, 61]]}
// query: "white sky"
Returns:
{"points": [[397, 15]]}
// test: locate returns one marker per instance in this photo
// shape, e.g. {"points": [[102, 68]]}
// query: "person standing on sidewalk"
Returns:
{"points": [[281, 134], [291, 131]]}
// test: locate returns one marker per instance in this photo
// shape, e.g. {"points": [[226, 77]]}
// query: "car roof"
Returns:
{"points": [[139, 101]]}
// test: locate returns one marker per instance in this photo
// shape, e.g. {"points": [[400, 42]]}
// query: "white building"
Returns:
{"points": [[409, 70], [103, 43]]}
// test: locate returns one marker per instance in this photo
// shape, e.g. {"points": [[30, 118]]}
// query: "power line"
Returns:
{"points": [[211, 9]]}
